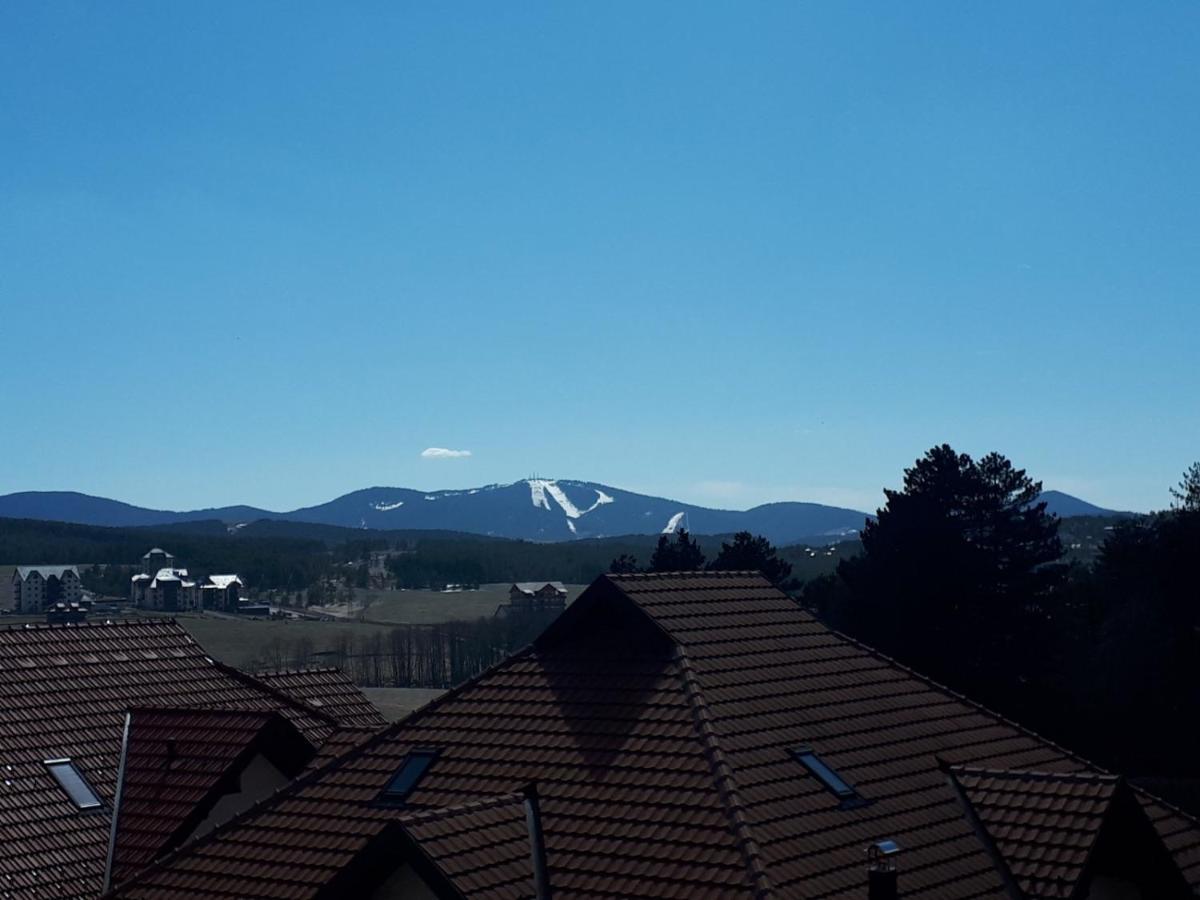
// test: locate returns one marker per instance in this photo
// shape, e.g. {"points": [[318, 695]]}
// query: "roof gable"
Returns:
{"points": [[1043, 825], [177, 763], [23, 572]]}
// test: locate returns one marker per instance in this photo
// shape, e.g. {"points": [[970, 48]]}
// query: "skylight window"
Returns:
{"points": [[72, 781], [408, 776], [832, 781]]}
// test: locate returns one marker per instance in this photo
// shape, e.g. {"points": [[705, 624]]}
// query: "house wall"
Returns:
{"points": [[404, 884], [1104, 887], [257, 781]]}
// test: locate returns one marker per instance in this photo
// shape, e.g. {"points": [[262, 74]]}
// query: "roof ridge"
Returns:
{"points": [[985, 837], [275, 692], [316, 670], [1177, 810], [1032, 774], [949, 691], [421, 816], [723, 773], [193, 710], [684, 573], [107, 623]]}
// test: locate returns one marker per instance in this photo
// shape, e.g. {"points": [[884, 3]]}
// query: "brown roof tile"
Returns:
{"points": [[663, 756], [1044, 825], [66, 691], [329, 690]]}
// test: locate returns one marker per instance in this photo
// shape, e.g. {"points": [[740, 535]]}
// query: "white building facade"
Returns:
{"points": [[163, 586], [34, 588]]}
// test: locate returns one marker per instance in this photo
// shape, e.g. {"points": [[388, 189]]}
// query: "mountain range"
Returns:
{"points": [[536, 509]]}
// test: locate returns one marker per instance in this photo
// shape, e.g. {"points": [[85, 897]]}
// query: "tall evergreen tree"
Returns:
{"points": [[623, 564], [1187, 494], [957, 569], [754, 554], [681, 555]]}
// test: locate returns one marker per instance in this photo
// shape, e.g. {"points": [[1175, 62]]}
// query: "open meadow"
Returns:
{"points": [[396, 703], [250, 643], [432, 607]]}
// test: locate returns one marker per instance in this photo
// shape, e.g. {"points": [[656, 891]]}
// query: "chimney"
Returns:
{"points": [[882, 883]]}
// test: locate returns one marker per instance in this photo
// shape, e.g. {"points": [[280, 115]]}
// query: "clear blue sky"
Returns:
{"points": [[270, 252]]}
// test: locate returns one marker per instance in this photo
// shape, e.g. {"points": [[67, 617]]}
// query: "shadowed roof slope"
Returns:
{"points": [[66, 689], [604, 727], [659, 716], [329, 690]]}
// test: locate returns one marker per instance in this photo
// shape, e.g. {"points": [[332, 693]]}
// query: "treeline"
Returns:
{"points": [[282, 563], [965, 577], [296, 556], [438, 562], [438, 656]]}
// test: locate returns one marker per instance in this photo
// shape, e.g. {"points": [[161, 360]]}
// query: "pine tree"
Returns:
{"points": [[957, 569], [751, 554], [681, 555], [1187, 494]]}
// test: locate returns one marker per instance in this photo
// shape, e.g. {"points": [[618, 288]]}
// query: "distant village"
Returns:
{"points": [[162, 585]]}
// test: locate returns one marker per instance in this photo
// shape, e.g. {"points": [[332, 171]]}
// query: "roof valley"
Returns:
{"points": [[723, 774]]}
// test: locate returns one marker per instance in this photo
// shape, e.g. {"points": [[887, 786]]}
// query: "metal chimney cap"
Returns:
{"points": [[881, 850]]}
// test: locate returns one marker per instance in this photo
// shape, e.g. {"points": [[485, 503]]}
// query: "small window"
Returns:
{"points": [[833, 782], [72, 781], [408, 776]]}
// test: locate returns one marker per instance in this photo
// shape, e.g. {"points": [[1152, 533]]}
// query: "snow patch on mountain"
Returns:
{"points": [[673, 523], [562, 500], [540, 487], [387, 507], [537, 492], [601, 499]]}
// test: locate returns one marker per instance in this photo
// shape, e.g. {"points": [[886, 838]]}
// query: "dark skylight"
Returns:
{"points": [[410, 773], [832, 781], [71, 781]]}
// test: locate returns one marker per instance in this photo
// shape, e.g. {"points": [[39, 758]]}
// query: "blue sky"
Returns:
{"points": [[729, 253]]}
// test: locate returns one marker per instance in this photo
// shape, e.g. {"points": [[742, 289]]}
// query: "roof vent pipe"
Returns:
{"points": [[881, 871], [537, 843]]}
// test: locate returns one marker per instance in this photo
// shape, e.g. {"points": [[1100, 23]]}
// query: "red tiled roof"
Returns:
{"points": [[1044, 825], [329, 690], [1179, 832], [663, 757], [66, 689], [178, 762], [481, 848]]}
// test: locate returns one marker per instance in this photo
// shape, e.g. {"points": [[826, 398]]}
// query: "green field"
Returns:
{"points": [[396, 703], [245, 642], [430, 607]]}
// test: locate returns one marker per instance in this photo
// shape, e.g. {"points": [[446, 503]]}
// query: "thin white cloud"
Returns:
{"points": [[443, 453]]}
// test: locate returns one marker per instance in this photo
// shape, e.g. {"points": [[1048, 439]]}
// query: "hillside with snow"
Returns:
{"points": [[536, 509]]}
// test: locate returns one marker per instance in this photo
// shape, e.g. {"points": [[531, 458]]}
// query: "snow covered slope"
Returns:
{"points": [[538, 509]]}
